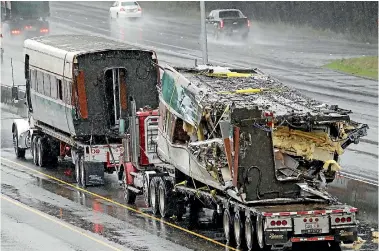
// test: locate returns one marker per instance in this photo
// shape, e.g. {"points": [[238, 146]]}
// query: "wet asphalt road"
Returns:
{"points": [[290, 56]]}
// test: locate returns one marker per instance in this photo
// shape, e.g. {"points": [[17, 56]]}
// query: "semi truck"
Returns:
{"points": [[238, 142], [25, 18], [76, 101]]}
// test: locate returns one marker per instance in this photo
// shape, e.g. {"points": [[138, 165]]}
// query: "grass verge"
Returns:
{"points": [[362, 66]]}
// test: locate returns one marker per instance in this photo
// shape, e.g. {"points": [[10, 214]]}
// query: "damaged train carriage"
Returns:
{"points": [[244, 133]]}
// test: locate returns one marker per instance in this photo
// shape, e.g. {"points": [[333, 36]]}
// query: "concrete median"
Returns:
{"points": [[14, 106]]}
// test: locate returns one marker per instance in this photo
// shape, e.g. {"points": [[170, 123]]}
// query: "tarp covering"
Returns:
{"points": [[178, 99]]}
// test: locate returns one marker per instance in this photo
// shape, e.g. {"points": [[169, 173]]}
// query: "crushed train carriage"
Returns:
{"points": [[241, 143]]}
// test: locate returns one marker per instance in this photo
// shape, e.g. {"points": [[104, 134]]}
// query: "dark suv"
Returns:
{"points": [[228, 22]]}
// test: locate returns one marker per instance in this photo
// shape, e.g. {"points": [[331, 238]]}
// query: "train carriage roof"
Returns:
{"points": [[77, 44], [251, 89]]}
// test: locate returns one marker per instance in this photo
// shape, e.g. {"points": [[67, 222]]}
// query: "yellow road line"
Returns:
{"points": [[14, 202], [124, 206]]}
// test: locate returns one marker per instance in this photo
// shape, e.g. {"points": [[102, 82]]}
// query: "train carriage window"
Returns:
{"points": [[39, 82], [60, 91], [46, 84], [33, 79], [67, 91], [54, 87]]}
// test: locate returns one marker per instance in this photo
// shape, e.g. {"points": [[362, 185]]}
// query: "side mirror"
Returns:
{"points": [[14, 93]]}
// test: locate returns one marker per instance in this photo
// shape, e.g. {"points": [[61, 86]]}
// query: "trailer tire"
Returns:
{"points": [[260, 233], [166, 198], [35, 150], [250, 237], [129, 196], [41, 146], [154, 195], [227, 221], [20, 153], [238, 224]]}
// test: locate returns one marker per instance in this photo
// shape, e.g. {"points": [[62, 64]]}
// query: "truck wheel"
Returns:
{"points": [[77, 170], [238, 229], [154, 195], [83, 172], [250, 234], [166, 198], [20, 153], [228, 226], [130, 196], [145, 188], [41, 147], [35, 150]]}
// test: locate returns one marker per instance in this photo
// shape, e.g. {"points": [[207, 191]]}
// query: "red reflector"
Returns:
{"points": [[284, 213], [267, 214], [337, 220], [343, 219], [305, 220], [248, 23], [139, 9], [284, 222], [278, 223], [348, 219], [337, 211], [122, 9], [272, 223], [353, 210], [310, 220], [221, 24], [316, 220]]}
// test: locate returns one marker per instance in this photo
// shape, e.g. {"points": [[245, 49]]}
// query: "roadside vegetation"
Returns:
{"points": [[362, 66]]}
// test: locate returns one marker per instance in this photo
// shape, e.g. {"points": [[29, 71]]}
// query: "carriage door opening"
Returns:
{"points": [[115, 88]]}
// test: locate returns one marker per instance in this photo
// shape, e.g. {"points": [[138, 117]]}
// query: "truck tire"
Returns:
{"points": [[166, 198], [154, 195], [239, 231], [83, 172], [145, 190], [42, 150], [130, 196], [228, 226], [77, 170], [35, 150], [20, 153], [250, 237]]}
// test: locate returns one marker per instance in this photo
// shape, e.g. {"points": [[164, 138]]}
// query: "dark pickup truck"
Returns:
{"points": [[228, 22]]}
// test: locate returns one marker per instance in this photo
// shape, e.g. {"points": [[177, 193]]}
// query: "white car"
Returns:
{"points": [[125, 9]]}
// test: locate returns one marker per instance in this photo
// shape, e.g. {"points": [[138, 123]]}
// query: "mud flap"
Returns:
{"points": [[94, 173], [346, 235]]}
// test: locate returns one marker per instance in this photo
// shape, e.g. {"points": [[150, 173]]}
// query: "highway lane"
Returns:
{"points": [[288, 55], [22, 181]]}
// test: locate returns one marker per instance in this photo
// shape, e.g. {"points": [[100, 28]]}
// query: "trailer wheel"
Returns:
{"points": [[130, 196], [41, 146], [228, 226], [250, 237], [77, 169], [83, 172], [259, 232], [20, 153], [238, 229], [166, 198], [154, 195], [35, 150]]}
